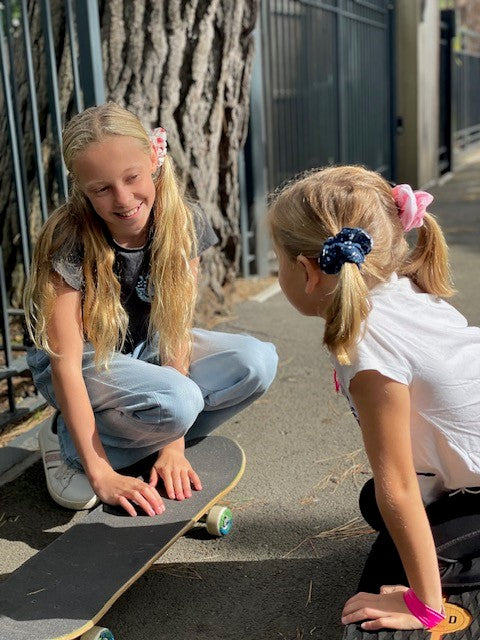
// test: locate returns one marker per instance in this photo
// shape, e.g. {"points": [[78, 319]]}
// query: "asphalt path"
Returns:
{"points": [[298, 544]]}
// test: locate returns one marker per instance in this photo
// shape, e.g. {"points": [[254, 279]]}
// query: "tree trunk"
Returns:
{"points": [[182, 64]]}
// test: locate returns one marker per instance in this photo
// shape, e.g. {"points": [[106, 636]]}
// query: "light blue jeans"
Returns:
{"points": [[141, 406]]}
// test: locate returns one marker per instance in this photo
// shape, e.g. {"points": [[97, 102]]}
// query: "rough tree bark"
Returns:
{"points": [[184, 64]]}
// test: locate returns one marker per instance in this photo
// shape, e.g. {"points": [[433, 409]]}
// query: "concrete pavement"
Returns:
{"points": [[293, 558]]}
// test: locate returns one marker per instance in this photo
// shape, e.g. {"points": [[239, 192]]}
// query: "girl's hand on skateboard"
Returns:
{"points": [[384, 610], [115, 489], [175, 471]]}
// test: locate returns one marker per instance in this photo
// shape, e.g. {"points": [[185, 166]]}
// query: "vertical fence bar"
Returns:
{"points": [[74, 56], [5, 64], [340, 71], [15, 101], [53, 97], [393, 92], [279, 90], [34, 110], [5, 329], [270, 115], [258, 160], [90, 52], [245, 234]]}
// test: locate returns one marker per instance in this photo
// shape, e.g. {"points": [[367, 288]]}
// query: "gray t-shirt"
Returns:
{"points": [[132, 268]]}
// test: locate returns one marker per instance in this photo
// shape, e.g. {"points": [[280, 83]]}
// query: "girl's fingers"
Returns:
{"points": [[187, 489], [178, 486], [195, 480], [123, 502], [153, 477], [380, 623], [178, 482], [387, 589], [154, 499], [143, 503], [357, 601], [392, 588], [364, 613], [169, 488]]}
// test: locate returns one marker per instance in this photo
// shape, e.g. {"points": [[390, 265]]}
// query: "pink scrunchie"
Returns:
{"points": [[412, 205], [158, 138]]}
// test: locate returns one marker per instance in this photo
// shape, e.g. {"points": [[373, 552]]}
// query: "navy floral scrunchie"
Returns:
{"points": [[350, 245]]}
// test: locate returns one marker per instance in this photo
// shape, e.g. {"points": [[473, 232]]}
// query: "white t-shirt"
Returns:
{"points": [[420, 340]]}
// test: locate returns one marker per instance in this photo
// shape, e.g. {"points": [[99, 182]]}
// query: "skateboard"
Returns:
{"points": [[64, 590], [462, 622]]}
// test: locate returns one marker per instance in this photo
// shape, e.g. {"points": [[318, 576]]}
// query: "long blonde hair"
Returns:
{"points": [[307, 211], [75, 225]]}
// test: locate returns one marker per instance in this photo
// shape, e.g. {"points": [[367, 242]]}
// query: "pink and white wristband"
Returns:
{"points": [[427, 616]]}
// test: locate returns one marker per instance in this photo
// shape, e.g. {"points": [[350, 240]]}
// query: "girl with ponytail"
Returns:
{"points": [[409, 366], [109, 309]]}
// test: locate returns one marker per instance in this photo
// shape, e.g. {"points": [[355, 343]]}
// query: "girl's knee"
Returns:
{"points": [[173, 410], [260, 361], [184, 407], [368, 506]]}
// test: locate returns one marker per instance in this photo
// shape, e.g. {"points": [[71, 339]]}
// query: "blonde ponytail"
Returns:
{"points": [[349, 309], [427, 264]]}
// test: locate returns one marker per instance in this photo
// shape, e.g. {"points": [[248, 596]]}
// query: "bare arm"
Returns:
{"points": [[384, 412], [65, 334], [66, 339]]}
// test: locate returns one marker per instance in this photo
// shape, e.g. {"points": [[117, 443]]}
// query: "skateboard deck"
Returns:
{"points": [[62, 591], [462, 622]]}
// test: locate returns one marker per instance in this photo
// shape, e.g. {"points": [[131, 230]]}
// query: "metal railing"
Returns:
{"points": [[32, 123], [327, 76], [466, 95], [329, 89]]}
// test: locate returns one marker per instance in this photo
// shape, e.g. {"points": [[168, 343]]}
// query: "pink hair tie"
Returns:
{"points": [[158, 138], [412, 205], [427, 616]]}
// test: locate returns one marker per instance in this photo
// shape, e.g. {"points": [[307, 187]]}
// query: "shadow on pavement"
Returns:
{"points": [[269, 599], [27, 511]]}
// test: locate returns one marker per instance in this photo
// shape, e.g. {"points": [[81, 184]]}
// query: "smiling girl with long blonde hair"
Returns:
{"points": [[109, 309]]}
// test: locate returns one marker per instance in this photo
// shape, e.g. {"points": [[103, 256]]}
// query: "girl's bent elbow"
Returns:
{"points": [[396, 494], [63, 365]]}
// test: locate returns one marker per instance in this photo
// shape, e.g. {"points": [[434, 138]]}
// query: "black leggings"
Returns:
{"points": [[455, 523]]}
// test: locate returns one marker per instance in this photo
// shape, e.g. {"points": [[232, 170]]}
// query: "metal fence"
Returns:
{"points": [[447, 32], [466, 96], [22, 84], [328, 84], [324, 83]]}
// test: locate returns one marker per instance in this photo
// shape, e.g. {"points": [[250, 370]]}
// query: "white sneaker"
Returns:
{"points": [[68, 486]]}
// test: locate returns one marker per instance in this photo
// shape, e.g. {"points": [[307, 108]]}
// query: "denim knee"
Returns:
{"points": [[260, 361], [174, 410]]}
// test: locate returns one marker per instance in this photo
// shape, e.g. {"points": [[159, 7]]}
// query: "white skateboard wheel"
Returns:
{"points": [[219, 521]]}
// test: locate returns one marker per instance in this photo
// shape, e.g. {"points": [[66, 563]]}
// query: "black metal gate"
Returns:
{"points": [[466, 91], [329, 84], [447, 32]]}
